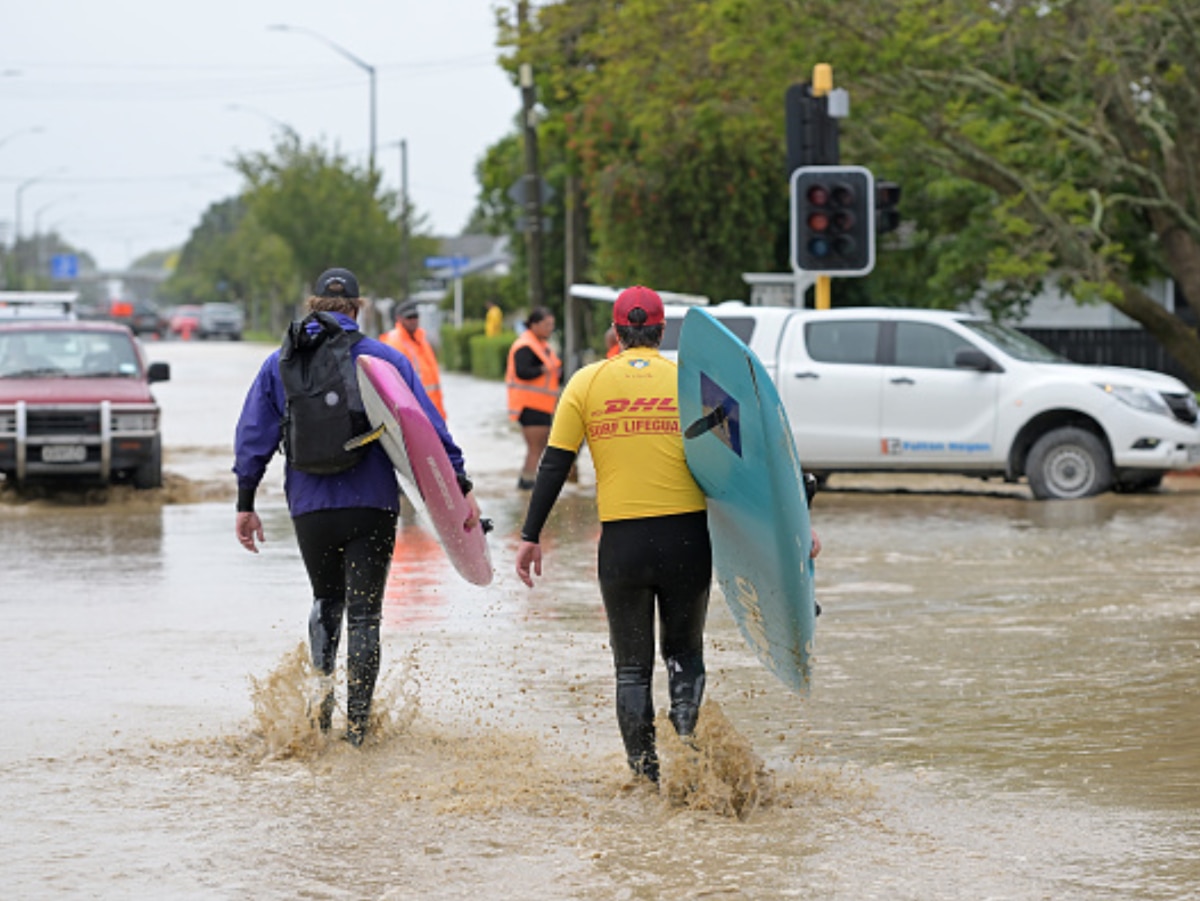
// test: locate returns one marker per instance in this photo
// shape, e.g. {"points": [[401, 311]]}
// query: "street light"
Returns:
{"points": [[37, 129], [37, 216], [21, 190], [338, 48], [403, 145], [278, 123]]}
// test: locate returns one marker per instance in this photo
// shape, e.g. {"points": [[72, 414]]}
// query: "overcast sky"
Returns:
{"points": [[117, 118]]}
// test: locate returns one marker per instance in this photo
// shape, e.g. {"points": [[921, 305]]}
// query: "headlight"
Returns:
{"points": [[135, 422], [1138, 398]]}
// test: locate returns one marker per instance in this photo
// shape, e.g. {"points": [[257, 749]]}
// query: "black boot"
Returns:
{"points": [[324, 634], [645, 765], [685, 677], [362, 671], [635, 716]]}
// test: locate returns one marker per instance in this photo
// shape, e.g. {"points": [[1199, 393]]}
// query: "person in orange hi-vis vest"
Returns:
{"points": [[409, 338], [533, 376], [611, 343]]}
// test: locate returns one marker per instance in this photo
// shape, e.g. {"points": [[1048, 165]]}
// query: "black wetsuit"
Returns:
{"points": [[663, 561], [652, 564], [347, 553]]}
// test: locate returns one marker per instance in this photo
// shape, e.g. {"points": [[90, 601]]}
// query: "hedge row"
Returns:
{"points": [[468, 349]]}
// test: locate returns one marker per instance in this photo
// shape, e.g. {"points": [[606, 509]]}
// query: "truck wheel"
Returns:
{"points": [[1068, 463], [149, 474]]}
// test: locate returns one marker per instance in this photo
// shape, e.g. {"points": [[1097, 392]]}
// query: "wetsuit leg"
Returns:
{"points": [[667, 560], [347, 554], [324, 633], [368, 558], [629, 604], [685, 579]]}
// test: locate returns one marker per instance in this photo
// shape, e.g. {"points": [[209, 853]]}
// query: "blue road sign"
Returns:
{"points": [[64, 267], [456, 263]]}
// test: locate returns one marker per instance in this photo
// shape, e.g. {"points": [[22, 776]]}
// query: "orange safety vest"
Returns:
{"points": [[540, 393], [420, 354]]}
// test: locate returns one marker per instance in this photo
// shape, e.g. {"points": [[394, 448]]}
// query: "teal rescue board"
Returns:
{"points": [[740, 450]]}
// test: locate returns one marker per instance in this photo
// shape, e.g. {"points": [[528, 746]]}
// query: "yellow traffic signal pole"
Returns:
{"points": [[822, 84]]}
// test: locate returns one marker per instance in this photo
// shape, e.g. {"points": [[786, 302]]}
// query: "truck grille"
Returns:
{"points": [[1183, 406], [47, 423]]}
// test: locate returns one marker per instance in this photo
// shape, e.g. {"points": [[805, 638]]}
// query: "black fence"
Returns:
{"points": [[1111, 347]]}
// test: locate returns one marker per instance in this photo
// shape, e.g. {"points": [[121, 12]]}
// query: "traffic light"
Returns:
{"points": [[812, 134], [887, 217], [833, 220]]}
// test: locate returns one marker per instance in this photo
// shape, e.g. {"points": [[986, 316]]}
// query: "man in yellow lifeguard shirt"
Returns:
{"points": [[410, 339], [654, 546]]}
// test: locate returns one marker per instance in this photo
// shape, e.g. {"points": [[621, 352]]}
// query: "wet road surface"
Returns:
{"points": [[1006, 700]]}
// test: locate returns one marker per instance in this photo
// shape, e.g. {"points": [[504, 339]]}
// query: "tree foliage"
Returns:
{"points": [[303, 209], [327, 211], [1034, 140]]}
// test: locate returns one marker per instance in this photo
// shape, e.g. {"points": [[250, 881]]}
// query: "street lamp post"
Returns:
{"points": [[21, 188], [37, 129], [404, 214], [339, 49], [278, 123]]}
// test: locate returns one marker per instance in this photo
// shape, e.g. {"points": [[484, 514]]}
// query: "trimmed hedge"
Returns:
{"points": [[468, 349], [489, 356], [455, 352]]}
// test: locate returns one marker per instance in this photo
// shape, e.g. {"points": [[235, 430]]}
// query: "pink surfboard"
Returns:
{"points": [[425, 472]]}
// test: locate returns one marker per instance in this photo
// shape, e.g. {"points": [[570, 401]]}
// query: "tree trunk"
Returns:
{"points": [[1179, 339]]}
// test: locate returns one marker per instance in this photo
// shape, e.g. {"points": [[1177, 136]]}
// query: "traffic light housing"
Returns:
{"points": [[887, 197], [833, 220]]}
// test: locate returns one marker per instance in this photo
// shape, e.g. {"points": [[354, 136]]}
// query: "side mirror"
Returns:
{"points": [[158, 372], [973, 358]]}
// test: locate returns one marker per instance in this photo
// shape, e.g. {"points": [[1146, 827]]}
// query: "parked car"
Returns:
{"points": [[220, 320], [141, 316], [75, 404], [884, 389], [183, 321]]}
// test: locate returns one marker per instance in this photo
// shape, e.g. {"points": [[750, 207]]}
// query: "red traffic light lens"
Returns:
{"points": [[818, 195], [818, 222]]}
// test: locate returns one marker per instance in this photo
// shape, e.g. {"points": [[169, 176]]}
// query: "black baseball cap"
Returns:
{"points": [[337, 283]]}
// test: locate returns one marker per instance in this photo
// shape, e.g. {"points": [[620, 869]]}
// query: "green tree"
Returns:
{"points": [[327, 211], [1034, 141], [231, 257], [1073, 125]]}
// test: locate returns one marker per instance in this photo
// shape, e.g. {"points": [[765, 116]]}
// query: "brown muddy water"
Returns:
{"points": [[1006, 701]]}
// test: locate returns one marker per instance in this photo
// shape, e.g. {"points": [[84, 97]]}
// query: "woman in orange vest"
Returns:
{"points": [[408, 338], [533, 377]]}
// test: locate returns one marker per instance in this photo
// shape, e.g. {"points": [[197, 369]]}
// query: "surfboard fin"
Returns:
{"points": [[366, 438], [707, 423]]}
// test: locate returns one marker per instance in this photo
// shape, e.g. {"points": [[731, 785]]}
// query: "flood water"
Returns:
{"points": [[1006, 700]]}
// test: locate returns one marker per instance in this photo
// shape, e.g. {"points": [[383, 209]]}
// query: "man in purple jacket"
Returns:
{"points": [[345, 522]]}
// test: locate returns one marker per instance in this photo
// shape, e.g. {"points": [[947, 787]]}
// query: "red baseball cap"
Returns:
{"points": [[638, 296]]}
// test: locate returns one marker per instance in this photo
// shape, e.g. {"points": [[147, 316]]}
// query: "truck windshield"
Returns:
{"points": [[65, 353], [1017, 345]]}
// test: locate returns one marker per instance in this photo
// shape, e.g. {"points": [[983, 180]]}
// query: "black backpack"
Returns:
{"points": [[324, 410]]}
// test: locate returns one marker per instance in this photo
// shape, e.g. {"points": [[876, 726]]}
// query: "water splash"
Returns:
{"points": [[287, 699]]}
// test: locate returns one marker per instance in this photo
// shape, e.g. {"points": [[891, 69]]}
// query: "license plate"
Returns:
{"points": [[64, 453]]}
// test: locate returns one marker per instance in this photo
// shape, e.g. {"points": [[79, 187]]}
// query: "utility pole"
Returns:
{"points": [[406, 222], [822, 84], [533, 176]]}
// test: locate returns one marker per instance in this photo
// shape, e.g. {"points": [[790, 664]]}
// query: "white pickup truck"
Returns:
{"points": [[888, 390]]}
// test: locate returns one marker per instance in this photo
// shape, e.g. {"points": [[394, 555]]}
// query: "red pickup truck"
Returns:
{"points": [[75, 404]]}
